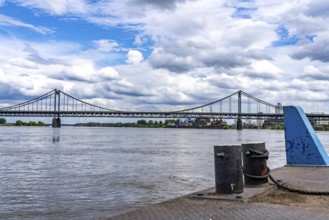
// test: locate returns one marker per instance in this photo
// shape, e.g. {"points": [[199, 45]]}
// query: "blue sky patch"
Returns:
{"points": [[285, 38], [35, 25], [311, 37], [244, 13]]}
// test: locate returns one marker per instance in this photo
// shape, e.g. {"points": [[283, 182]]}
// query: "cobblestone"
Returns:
{"points": [[186, 208], [270, 205]]}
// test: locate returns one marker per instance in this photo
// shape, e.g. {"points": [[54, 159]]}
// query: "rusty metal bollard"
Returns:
{"points": [[254, 163]]}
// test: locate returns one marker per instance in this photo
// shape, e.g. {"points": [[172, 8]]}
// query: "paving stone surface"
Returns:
{"points": [[270, 204]]}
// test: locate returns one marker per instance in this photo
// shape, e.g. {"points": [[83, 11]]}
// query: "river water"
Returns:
{"points": [[90, 173]]}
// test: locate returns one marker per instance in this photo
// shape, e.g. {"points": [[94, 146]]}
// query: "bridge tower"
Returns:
{"points": [[239, 120], [56, 120]]}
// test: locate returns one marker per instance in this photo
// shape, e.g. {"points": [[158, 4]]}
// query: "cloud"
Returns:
{"points": [[23, 63], [160, 59], [262, 69], [8, 21], [59, 7], [105, 45], [180, 57], [8, 92], [83, 70], [216, 47], [198, 39], [317, 50], [316, 73], [317, 8], [81, 73], [107, 73], [134, 57], [160, 4]]}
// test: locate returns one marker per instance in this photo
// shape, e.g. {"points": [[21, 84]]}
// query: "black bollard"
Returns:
{"points": [[228, 169], [254, 163]]}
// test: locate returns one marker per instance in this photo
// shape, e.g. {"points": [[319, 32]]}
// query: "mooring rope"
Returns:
{"points": [[281, 185]]}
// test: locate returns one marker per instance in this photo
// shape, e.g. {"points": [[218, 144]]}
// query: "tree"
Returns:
{"points": [[40, 123], [19, 123], [2, 121], [141, 122], [32, 123]]}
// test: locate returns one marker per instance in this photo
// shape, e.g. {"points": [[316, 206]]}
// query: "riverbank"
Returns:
{"points": [[267, 203]]}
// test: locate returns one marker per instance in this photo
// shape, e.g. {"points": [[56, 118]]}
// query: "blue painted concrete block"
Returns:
{"points": [[303, 147]]}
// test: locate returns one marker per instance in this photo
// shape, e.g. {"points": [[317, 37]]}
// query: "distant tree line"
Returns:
{"points": [[322, 128], [22, 123], [30, 123], [139, 124]]}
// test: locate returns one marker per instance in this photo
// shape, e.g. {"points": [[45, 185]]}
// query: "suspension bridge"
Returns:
{"points": [[57, 104]]}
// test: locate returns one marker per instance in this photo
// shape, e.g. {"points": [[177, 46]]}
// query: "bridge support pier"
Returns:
{"points": [[56, 122], [239, 124]]}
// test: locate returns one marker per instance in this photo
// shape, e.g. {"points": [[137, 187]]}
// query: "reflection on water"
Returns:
{"points": [[56, 139], [88, 173]]}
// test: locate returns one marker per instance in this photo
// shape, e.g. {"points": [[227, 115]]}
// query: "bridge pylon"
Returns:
{"points": [[239, 120], [239, 124], [56, 122], [57, 99]]}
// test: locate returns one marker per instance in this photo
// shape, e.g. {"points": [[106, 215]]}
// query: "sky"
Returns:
{"points": [[165, 55]]}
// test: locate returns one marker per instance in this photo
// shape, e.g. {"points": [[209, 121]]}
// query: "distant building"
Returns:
{"points": [[270, 122], [253, 124], [279, 109], [317, 122], [171, 124], [260, 120], [202, 122], [218, 123]]}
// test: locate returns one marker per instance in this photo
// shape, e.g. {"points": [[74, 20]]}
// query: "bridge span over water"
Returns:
{"points": [[57, 104]]}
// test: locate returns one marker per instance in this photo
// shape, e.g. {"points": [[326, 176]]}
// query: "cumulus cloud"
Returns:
{"points": [[317, 73], [81, 72], [161, 59], [10, 92], [217, 47], [105, 45], [134, 57], [169, 4], [317, 8], [108, 73], [198, 40], [317, 50], [262, 69]]}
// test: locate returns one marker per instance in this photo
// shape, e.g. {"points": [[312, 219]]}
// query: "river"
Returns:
{"points": [[89, 173]]}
